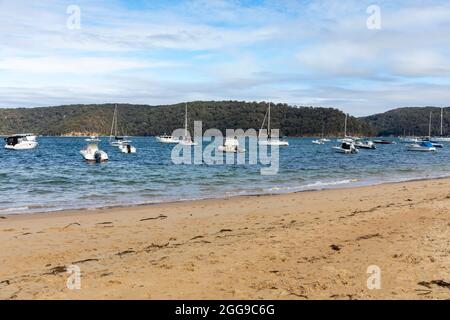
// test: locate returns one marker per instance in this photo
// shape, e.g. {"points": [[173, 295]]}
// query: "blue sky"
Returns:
{"points": [[315, 53]]}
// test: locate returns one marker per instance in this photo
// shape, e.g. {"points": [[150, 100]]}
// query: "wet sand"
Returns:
{"points": [[309, 245]]}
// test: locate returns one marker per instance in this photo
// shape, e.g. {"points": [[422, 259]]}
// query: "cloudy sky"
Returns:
{"points": [[318, 53]]}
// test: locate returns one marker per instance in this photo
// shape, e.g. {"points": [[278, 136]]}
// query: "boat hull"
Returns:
{"points": [[97, 156], [274, 143], [167, 140], [25, 145]]}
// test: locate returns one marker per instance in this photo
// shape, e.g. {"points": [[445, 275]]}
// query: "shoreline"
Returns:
{"points": [[249, 195], [306, 245]]}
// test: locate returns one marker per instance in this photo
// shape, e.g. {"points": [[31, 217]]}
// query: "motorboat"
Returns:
{"points": [[409, 140], [383, 141], [127, 148], [231, 145], [273, 142], [167, 139], [21, 142], [269, 141], [346, 148], [367, 144], [92, 153], [424, 146], [433, 143], [319, 142]]}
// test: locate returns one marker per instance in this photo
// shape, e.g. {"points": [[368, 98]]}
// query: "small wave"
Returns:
{"points": [[16, 209]]}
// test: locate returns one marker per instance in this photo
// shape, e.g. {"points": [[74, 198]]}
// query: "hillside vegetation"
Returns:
{"points": [[409, 121], [145, 120]]}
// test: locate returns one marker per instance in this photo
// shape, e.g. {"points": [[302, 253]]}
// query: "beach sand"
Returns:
{"points": [[308, 245]]}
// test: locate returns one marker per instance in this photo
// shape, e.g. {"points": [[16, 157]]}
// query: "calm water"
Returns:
{"points": [[54, 176]]}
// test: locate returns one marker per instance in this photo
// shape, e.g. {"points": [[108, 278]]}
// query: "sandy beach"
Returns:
{"points": [[308, 245]]}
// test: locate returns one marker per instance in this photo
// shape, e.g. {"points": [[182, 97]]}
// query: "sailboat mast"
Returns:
{"points": [[442, 121], [185, 121], [268, 123], [112, 124], [429, 126], [345, 126]]}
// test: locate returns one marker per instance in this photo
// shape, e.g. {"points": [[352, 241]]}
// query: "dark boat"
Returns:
{"points": [[384, 141]]}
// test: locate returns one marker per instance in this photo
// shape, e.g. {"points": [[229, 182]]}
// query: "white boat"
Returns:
{"points": [[365, 144], [346, 148], [409, 140], [269, 141], [24, 141], [424, 146], [428, 139], [319, 142], [167, 139], [127, 148], [441, 138], [92, 153], [186, 141], [325, 140], [231, 145], [116, 140]]}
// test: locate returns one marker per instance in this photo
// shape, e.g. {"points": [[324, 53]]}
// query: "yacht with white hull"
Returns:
{"points": [[167, 139], [25, 141], [270, 141], [186, 141]]}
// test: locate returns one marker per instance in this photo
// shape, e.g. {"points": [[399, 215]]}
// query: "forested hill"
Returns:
{"points": [[146, 120], [410, 121]]}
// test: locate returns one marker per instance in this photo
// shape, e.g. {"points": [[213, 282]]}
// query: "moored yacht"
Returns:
{"points": [[269, 141], [167, 139], [21, 142], [186, 140]]}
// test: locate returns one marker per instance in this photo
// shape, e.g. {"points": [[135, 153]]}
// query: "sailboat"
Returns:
{"points": [[428, 139], [322, 140], [347, 145], [441, 138], [186, 141], [119, 141], [270, 141]]}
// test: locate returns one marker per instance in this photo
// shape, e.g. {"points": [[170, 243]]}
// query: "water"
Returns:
{"points": [[55, 177]]}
